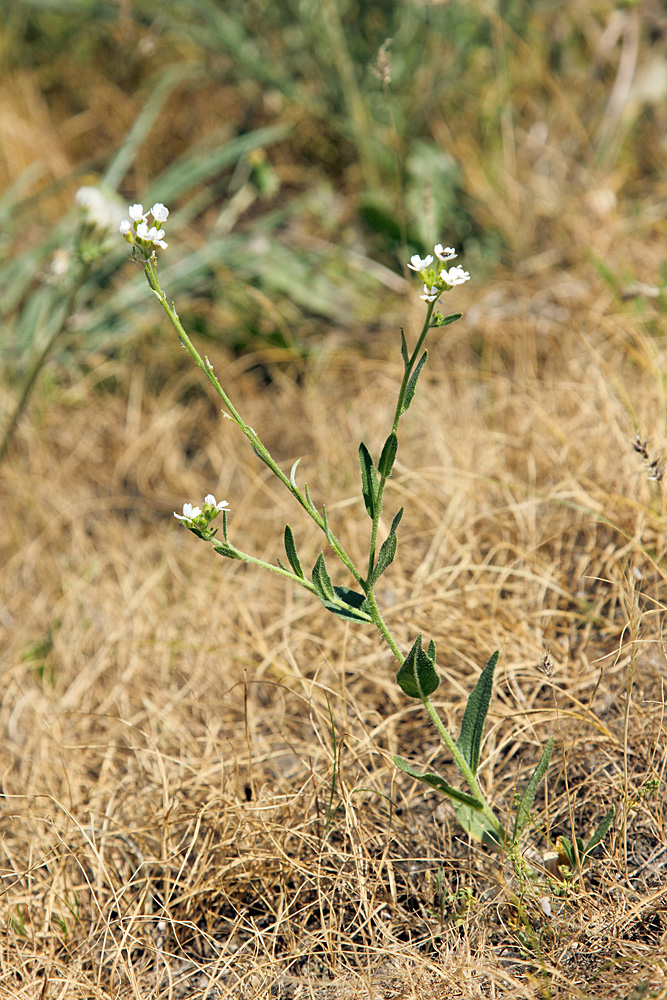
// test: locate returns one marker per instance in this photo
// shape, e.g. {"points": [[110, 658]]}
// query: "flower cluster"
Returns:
{"points": [[202, 518], [437, 280], [145, 239]]}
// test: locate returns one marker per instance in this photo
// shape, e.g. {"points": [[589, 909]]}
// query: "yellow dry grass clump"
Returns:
{"points": [[198, 794]]}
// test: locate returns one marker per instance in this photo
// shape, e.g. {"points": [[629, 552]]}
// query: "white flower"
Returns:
{"points": [[210, 499], [151, 235], [159, 212], [431, 293], [417, 264], [455, 275], [137, 212], [189, 512], [444, 253], [124, 227]]}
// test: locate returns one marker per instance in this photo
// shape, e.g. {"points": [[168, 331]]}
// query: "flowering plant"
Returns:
{"points": [[417, 675]]}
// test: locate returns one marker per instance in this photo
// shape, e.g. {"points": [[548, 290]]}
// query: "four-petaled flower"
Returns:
{"points": [[444, 253], [189, 512], [159, 212], [210, 499], [431, 293], [455, 275], [417, 264]]}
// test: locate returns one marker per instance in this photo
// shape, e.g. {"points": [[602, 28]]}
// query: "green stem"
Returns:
{"points": [[258, 447], [409, 367], [463, 766]]}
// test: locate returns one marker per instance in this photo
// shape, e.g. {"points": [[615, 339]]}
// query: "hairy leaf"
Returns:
{"points": [[440, 785], [600, 831], [369, 482], [290, 549], [322, 580], [528, 797], [349, 605], [474, 717], [388, 455], [412, 382], [417, 676]]}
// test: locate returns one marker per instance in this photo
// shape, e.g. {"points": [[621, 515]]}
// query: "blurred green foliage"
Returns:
{"points": [[301, 170]]}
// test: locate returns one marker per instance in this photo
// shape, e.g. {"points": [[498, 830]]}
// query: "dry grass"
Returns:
{"points": [[181, 820], [198, 800]]}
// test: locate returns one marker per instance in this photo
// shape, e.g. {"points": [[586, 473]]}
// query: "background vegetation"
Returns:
{"points": [[198, 799]]}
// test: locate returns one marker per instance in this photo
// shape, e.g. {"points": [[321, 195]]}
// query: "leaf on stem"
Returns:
{"points": [[439, 321], [350, 605], [417, 676], [528, 797], [440, 785], [474, 717], [387, 551], [369, 482], [322, 581], [292, 475], [290, 549], [412, 382], [388, 455], [477, 826], [404, 349]]}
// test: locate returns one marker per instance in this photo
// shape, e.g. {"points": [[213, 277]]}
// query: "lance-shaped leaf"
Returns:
{"points": [[290, 549], [412, 382], [292, 475], [439, 321], [474, 717], [528, 797], [440, 785], [601, 831], [369, 482], [388, 455], [431, 651], [387, 552], [322, 581], [404, 348], [417, 676], [349, 605]]}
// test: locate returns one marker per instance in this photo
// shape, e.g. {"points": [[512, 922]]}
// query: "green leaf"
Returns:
{"points": [[322, 581], [404, 348], [440, 321], [440, 785], [417, 676], [387, 551], [290, 549], [412, 382], [369, 482], [474, 717], [385, 559], [349, 605], [600, 832], [523, 811], [431, 652], [477, 826], [292, 475], [388, 455]]}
